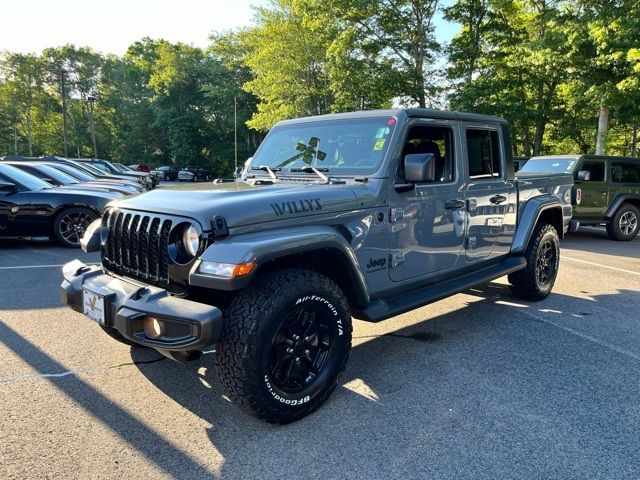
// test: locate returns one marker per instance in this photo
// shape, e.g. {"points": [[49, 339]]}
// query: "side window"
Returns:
{"points": [[625, 172], [483, 149], [597, 170], [436, 140]]}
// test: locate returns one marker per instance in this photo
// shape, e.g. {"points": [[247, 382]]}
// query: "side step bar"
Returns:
{"points": [[383, 308]]}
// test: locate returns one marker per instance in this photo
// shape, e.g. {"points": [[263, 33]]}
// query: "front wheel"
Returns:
{"points": [[625, 223], [70, 225], [536, 281], [285, 344]]}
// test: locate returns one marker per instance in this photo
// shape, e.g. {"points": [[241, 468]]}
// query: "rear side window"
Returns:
{"points": [[597, 170], [483, 149], [625, 172]]}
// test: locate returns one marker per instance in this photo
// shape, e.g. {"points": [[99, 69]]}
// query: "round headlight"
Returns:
{"points": [[191, 240]]}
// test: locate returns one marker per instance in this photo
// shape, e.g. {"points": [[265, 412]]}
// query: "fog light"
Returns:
{"points": [[153, 328]]}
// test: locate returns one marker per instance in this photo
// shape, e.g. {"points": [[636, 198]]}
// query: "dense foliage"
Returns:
{"points": [[565, 73]]}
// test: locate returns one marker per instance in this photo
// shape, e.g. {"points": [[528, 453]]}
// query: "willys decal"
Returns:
{"points": [[297, 206]]}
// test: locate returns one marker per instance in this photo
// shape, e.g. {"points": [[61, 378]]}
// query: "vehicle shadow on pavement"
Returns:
{"points": [[149, 443], [480, 389]]}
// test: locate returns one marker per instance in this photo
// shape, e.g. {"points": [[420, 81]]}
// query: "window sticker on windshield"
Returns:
{"points": [[570, 166], [382, 132], [379, 145]]}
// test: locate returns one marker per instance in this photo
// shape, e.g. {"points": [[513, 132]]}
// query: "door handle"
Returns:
{"points": [[497, 199], [454, 204]]}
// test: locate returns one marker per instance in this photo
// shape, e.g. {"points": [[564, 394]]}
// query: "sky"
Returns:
{"points": [[29, 26]]}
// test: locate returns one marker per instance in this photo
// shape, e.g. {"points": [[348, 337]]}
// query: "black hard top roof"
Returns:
{"points": [[399, 113]]}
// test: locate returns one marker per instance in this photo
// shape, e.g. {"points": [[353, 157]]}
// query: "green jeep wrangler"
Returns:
{"points": [[607, 190]]}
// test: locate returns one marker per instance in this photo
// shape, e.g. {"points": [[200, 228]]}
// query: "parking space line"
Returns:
{"points": [[26, 267], [582, 335], [564, 257]]}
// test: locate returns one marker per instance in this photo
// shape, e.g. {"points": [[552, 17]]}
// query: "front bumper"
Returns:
{"points": [[189, 325]]}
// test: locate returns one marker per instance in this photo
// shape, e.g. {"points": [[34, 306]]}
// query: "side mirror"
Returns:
{"points": [[8, 187], [420, 167], [584, 176]]}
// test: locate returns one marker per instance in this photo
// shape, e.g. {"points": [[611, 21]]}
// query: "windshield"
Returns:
{"points": [[57, 175], [92, 169], [74, 172], [339, 146], [101, 166], [27, 180], [550, 165]]}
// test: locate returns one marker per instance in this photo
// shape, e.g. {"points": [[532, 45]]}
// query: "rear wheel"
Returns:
{"points": [[70, 225], [536, 281], [625, 223], [285, 344]]}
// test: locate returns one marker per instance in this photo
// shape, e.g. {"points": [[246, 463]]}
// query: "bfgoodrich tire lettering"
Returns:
{"points": [[261, 365], [536, 281]]}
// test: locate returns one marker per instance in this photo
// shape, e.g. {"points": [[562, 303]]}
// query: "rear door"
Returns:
{"points": [[490, 193]]}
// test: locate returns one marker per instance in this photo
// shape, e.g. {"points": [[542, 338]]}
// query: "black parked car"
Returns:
{"points": [[166, 172], [56, 177], [195, 174], [30, 207]]}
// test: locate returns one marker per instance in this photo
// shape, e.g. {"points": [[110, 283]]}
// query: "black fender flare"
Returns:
{"points": [[529, 217], [618, 201], [266, 246]]}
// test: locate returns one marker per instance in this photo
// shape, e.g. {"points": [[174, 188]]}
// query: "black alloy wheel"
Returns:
{"points": [[71, 224], [536, 280], [300, 349], [546, 264]]}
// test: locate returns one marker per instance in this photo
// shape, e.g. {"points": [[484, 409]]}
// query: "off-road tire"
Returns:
{"points": [[116, 335], [252, 322], [525, 283], [615, 228], [58, 227]]}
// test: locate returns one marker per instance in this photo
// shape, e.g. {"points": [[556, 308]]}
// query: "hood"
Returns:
{"points": [[73, 192], [248, 206]]}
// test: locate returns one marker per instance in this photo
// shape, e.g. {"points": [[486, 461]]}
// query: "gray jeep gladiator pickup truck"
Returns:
{"points": [[365, 215]]}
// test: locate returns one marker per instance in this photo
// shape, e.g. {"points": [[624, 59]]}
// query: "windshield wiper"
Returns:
{"points": [[317, 171], [270, 171]]}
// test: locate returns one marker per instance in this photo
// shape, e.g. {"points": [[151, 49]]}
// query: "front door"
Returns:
{"points": [[595, 192], [491, 195], [427, 223]]}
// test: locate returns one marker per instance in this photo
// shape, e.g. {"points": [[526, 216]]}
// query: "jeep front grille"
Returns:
{"points": [[137, 246]]}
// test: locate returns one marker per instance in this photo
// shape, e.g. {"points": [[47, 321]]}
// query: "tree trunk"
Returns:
{"points": [[537, 141], [603, 130], [15, 141], [634, 141], [29, 132], [526, 142]]}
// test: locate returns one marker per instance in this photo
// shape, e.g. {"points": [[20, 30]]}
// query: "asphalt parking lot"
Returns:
{"points": [[480, 385]]}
